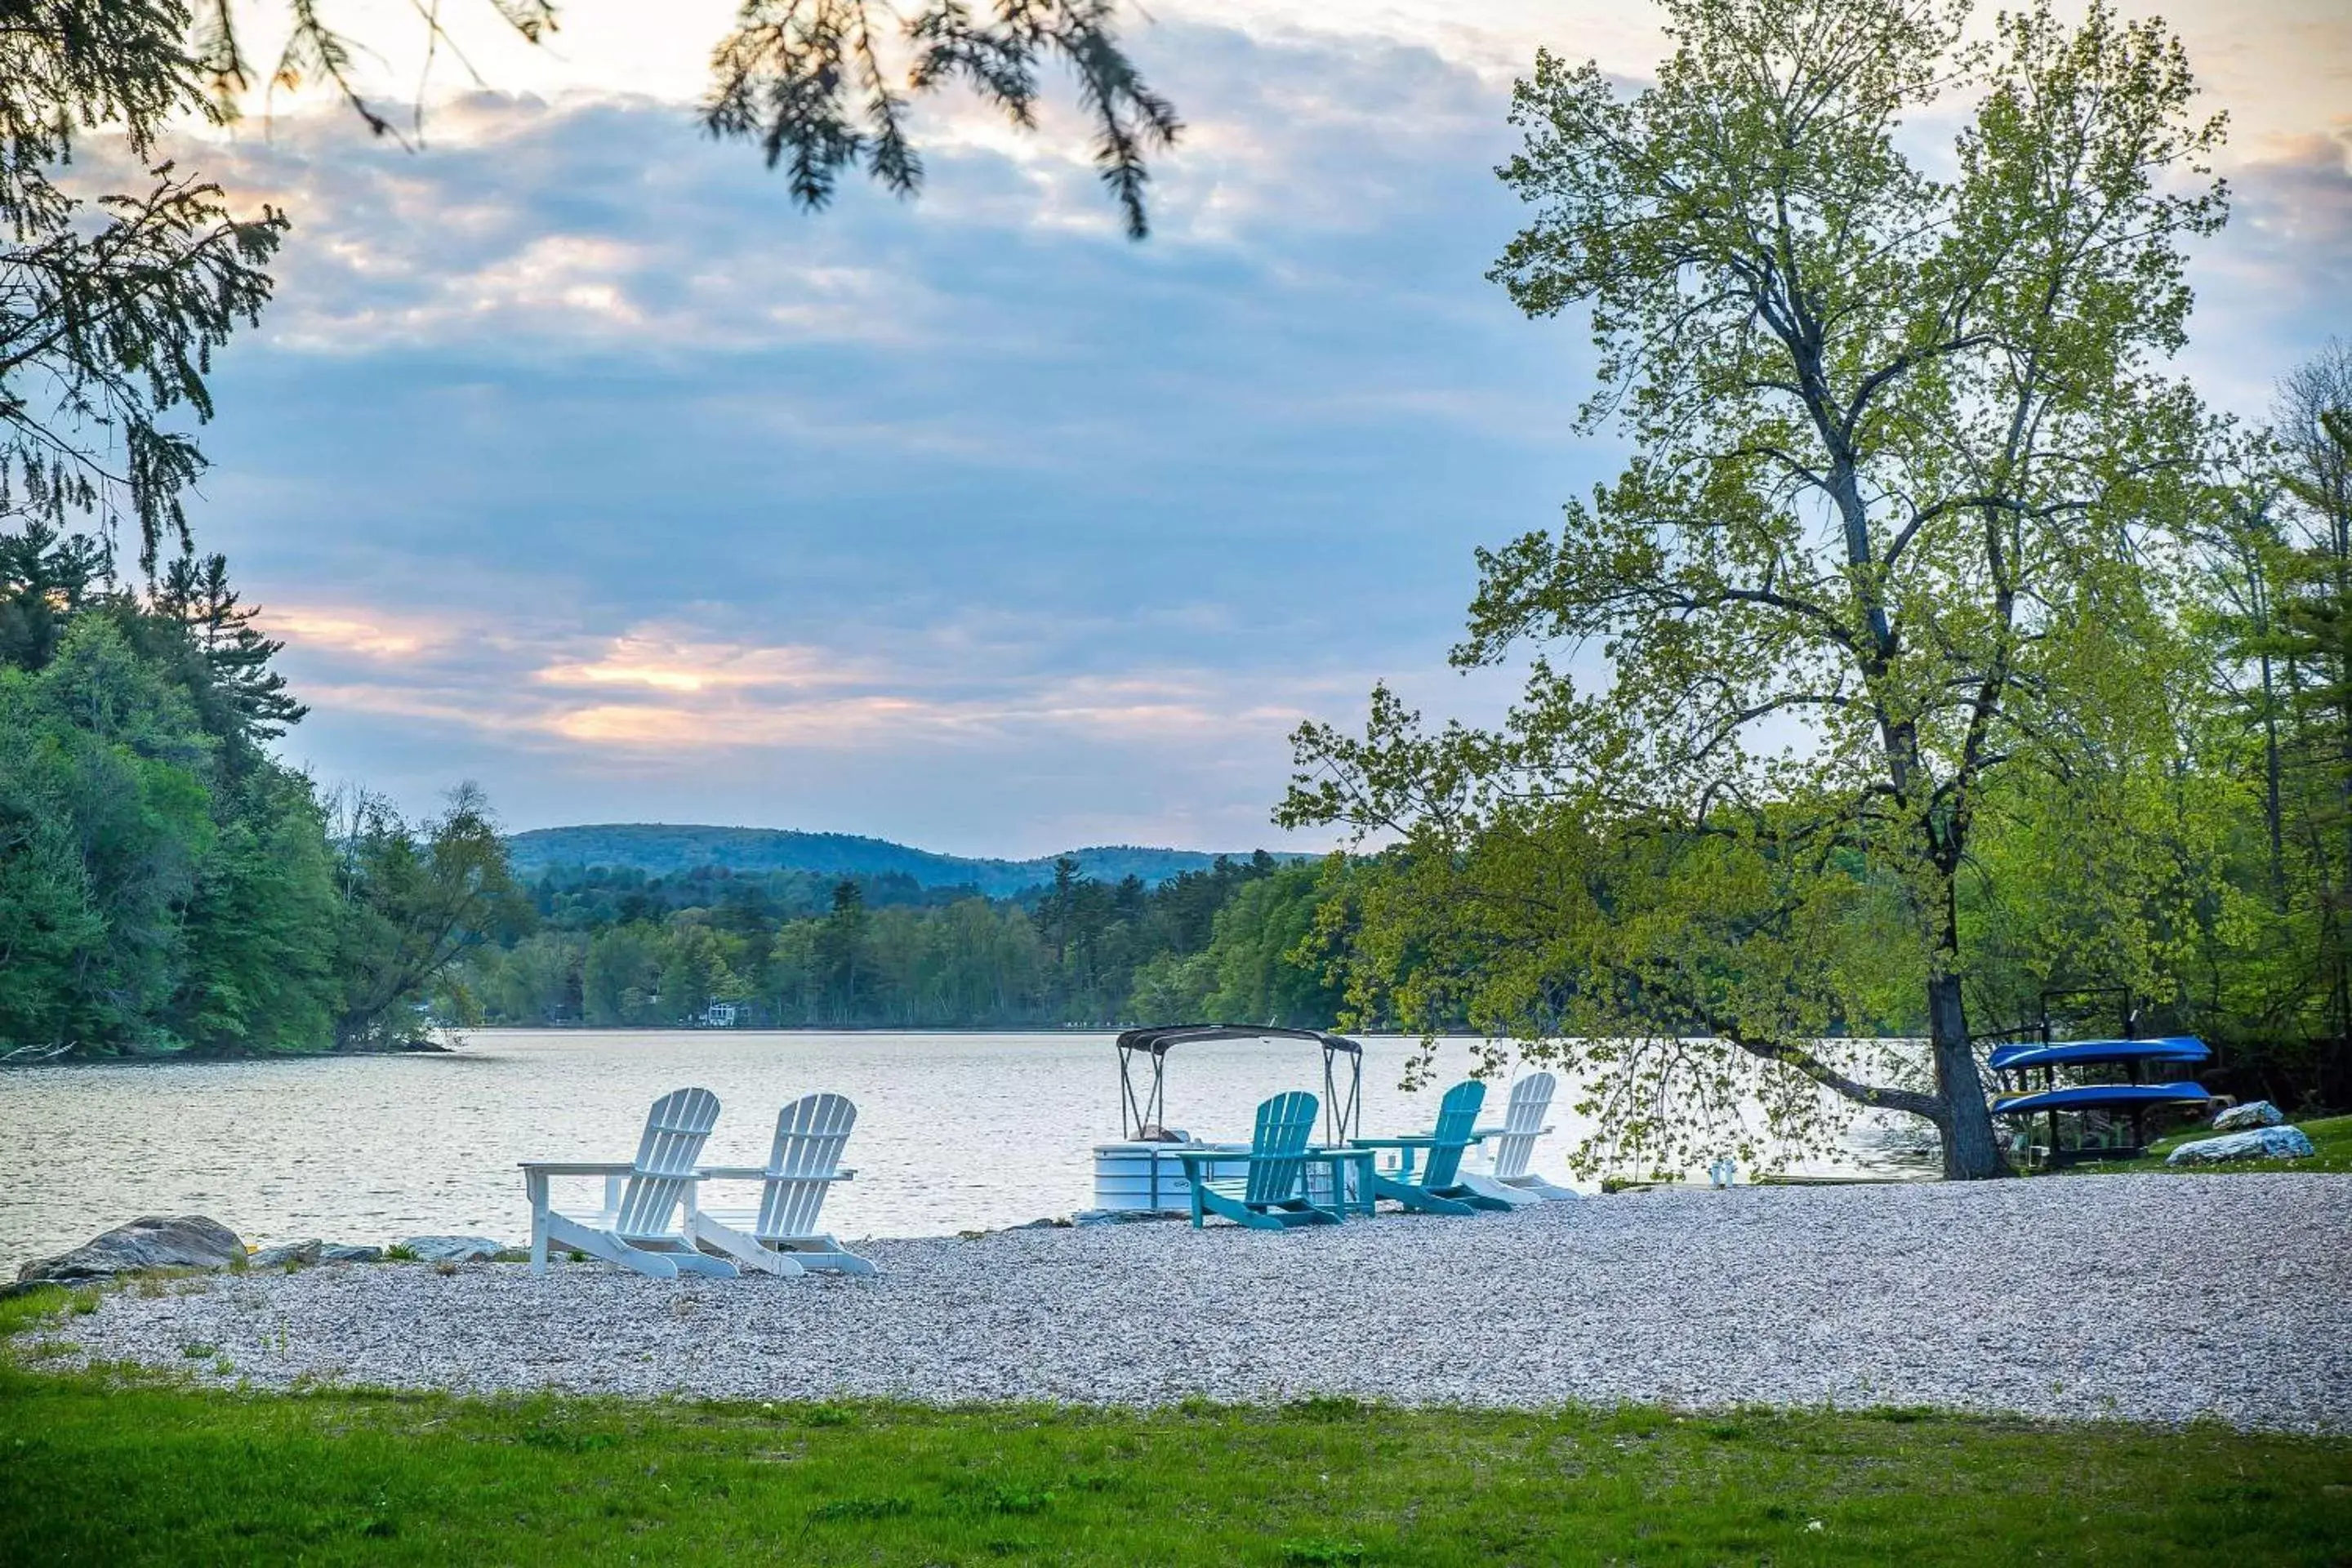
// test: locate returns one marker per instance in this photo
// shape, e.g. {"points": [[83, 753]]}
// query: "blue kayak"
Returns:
{"points": [[2084, 1053], [2103, 1097]]}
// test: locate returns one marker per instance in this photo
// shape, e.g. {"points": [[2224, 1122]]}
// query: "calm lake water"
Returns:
{"points": [[954, 1131]]}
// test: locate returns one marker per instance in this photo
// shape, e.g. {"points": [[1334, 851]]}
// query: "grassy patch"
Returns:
{"points": [[40, 1304], [193, 1475], [2331, 1137]]}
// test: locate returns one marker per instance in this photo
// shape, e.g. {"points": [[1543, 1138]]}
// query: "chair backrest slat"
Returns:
{"points": [[1277, 1162], [1522, 1123], [811, 1135], [1458, 1118], [675, 1129]]}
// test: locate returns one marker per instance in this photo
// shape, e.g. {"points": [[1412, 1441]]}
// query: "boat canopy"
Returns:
{"points": [[2102, 1097], [1164, 1037], [1142, 1113], [2086, 1053]]}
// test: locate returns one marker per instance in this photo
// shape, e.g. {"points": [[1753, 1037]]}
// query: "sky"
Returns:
{"points": [[572, 460]]}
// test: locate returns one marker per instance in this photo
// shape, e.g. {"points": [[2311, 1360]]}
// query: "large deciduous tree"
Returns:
{"points": [[1898, 427]]}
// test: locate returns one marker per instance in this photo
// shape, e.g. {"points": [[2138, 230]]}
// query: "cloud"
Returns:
{"points": [[368, 633], [2277, 281], [664, 661], [572, 459]]}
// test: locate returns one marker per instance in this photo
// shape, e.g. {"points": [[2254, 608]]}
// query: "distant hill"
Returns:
{"points": [[661, 850]]}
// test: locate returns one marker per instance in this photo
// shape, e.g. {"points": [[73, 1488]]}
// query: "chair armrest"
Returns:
{"points": [[761, 1173], [578, 1167], [1409, 1142]]}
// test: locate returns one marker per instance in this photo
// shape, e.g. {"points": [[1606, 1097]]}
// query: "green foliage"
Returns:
{"points": [[1230, 941], [414, 900], [1892, 557], [819, 87], [804, 80], [357, 1477], [111, 303], [164, 882]]}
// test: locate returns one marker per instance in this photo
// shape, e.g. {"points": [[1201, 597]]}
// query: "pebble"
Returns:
{"points": [[2084, 1297]]}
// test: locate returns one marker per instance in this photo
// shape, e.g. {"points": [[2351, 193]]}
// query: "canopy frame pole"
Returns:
{"points": [[1342, 1118], [1135, 1115]]}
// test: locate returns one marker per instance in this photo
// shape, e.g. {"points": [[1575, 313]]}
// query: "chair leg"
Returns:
{"points": [[1502, 1192], [823, 1255], [697, 1262], [1420, 1200], [535, 1182], [603, 1244], [1545, 1190], [735, 1245], [744, 1249]]}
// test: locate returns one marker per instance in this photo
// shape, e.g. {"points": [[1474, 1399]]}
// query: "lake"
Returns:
{"points": [[955, 1132]]}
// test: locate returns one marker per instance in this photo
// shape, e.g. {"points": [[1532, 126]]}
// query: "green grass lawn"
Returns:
{"points": [[94, 1470], [2331, 1136]]}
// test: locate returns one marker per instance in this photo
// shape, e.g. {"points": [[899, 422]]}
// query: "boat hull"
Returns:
{"points": [[2103, 1097], [2175, 1049], [1149, 1178]]}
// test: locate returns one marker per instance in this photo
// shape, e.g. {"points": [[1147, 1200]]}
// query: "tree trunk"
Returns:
{"points": [[2273, 816], [1970, 1151]]}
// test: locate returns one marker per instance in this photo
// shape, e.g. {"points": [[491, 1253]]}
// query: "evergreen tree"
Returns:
{"points": [[195, 592]]}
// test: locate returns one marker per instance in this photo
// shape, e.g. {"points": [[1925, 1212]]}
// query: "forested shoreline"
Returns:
{"points": [[616, 948], [166, 881]]}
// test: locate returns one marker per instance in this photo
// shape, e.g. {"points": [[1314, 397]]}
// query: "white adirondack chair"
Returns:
{"points": [[781, 1235], [649, 1201], [1509, 1147]]}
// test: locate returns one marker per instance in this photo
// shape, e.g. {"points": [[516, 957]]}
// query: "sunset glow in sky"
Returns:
{"points": [[573, 460]]}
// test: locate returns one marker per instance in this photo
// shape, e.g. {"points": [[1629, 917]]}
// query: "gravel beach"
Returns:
{"points": [[2149, 1298]]}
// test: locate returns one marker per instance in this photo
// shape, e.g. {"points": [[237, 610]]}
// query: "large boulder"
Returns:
{"points": [[454, 1248], [152, 1241], [345, 1252], [2262, 1143], [2253, 1113]]}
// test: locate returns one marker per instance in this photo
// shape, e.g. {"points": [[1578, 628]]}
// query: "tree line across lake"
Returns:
{"points": [[613, 947], [619, 948]]}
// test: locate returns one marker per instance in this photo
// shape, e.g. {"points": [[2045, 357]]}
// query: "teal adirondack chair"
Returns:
{"points": [[1273, 1194], [1437, 1186]]}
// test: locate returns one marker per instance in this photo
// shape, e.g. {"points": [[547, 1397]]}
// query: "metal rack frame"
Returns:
{"points": [[1343, 1112]]}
